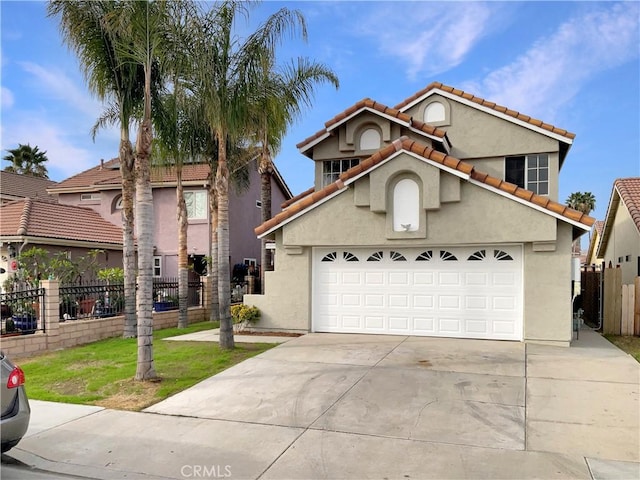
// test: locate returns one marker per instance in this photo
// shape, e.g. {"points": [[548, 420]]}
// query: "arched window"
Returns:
{"points": [[435, 112], [406, 206], [370, 139]]}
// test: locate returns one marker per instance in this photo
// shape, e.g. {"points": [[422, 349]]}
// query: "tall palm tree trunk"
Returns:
{"points": [[183, 267], [212, 268], [224, 274], [144, 216], [129, 253], [265, 169]]}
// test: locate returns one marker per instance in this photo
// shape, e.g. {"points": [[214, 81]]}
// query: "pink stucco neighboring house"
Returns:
{"points": [[99, 188]]}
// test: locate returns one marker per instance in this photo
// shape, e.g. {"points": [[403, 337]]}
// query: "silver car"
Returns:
{"points": [[15, 405]]}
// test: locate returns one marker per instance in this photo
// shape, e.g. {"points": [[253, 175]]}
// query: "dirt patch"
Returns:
{"points": [[132, 395]]}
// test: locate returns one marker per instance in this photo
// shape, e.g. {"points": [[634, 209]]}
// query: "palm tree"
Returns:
{"points": [[144, 30], [229, 77], [27, 160], [120, 83], [584, 202], [285, 91]]}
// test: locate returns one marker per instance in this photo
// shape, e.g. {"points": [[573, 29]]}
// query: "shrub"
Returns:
{"points": [[244, 314]]}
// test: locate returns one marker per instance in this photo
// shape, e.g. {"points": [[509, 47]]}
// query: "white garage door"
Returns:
{"points": [[470, 292]]}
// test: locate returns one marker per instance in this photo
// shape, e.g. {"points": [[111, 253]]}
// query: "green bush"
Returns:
{"points": [[244, 314]]}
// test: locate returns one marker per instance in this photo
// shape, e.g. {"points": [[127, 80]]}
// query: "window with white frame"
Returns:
{"points": [[157, 266], [89, 196], [196, 201], [331, 169], [529, 171]]}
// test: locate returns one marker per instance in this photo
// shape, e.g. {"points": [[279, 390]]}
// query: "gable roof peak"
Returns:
{"points": [[469, 97]]}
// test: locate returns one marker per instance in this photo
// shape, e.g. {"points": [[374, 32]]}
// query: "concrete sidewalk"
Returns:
{"points": [[357, 406]]}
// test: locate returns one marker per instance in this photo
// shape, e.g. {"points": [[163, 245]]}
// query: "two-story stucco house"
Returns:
{"points": [[437, 217], [99, 188]]}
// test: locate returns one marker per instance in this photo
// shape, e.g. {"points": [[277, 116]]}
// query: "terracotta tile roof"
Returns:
{"points": [[629, 191], [108, 174], [404, 143], [15, 186], [599, 226], [379, 107], [485, 103], [297, 197], [626, 191], [34, 218]]}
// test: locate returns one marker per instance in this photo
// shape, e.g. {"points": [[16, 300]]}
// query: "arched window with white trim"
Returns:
{"points": [[435, 113], [406, 206], [370, 139]]}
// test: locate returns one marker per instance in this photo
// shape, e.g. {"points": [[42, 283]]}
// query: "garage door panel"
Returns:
{"points": [[448, 302], [351, 300], [374, 300], [423, 279], [372, 322], [477, 326], [399, 301], [352, 278], [374, 278], [423, 301], [424, 325], [477, 295], [449, 279], [504, 304], [476, 279], [476, 302], [449, 325], [399, 278], [399, 324], [352, 321]]}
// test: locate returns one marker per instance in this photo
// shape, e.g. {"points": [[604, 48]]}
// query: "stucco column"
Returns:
{"points": [[207, 295], [51, 312]]}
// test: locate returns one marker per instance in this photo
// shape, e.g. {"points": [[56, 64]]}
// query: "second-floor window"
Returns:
{"points": [[331, 169], [196, 204], [89, 196], [529, 171]]}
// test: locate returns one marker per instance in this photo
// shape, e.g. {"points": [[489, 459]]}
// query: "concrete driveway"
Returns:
{"points": [[388, 406], [359, 406]]}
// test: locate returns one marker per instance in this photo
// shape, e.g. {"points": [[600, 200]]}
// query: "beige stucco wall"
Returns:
{"points": [[624, 240], [480, 217], [547, 289], [484, 139]]}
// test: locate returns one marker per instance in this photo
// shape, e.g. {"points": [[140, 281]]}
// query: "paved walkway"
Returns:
{"points": [[358, 406]]}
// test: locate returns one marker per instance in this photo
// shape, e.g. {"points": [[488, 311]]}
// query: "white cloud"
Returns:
{"points": [[554, 69], [428, 37], [6, 98], [65, 154], [58, 85]]}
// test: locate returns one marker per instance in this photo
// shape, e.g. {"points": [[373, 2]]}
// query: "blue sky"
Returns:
{"points": [[572, 64]]}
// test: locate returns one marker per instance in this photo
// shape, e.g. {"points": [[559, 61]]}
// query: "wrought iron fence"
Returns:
{"points": [[97, 299], [22, 311], [101, 299], [165, 293]]}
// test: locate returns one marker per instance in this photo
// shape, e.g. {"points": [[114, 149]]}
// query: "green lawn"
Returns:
{"points": [[631, 345], [102, 373]]}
